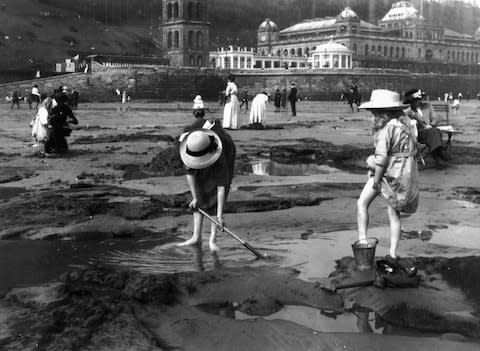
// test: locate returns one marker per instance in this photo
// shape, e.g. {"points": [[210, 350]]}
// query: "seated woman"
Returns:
{"points": [[427, 120], [60, 117]]}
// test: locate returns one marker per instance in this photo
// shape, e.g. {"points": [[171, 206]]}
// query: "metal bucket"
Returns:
{"points": [[364, 253]]}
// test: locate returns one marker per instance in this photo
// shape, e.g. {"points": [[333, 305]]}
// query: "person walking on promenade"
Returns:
{"points": [[292, 97], [424, 115], [208, 154], [393, 169], [230, 112]]}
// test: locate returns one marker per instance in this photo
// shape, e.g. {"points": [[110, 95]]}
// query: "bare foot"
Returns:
{"points": [[191, 241], [213, 247]]}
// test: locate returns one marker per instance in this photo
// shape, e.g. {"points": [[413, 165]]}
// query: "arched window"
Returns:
{"points": [[391, 51], [169, 11], [175, 10], [468, 57], [192, 60], [397, 51], [176, 39], [199, 39], [366, 50], [463, 56], [199, 10], [263, 52], [170, 40], [355, 48], [199, 61], [403, 52], [299, 52], [448, 55], [292, 52], [190, 39], [307, 51], [385, 51], [279, 52], [379, 50], [190, 10]]}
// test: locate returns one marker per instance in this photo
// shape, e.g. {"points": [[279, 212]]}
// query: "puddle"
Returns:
{"points": [[26, 262], [270, 168], [358, 320], [10, 192]]}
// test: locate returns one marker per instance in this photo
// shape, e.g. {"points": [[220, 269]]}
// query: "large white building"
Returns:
{"points": [[403, 38]]}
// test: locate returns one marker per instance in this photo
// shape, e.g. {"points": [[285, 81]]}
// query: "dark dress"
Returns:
{"points": [[292, 97], [61, 114], [277, 99], [219, 174]]}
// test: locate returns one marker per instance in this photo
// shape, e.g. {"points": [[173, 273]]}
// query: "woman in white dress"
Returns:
{"points": [[259, 105], [230, 113]]}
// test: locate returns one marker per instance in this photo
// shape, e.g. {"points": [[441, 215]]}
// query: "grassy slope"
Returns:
{"points": [[36, 40]]}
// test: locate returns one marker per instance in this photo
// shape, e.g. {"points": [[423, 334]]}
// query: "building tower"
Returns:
{"points": [[185, 32], [267, 35]]}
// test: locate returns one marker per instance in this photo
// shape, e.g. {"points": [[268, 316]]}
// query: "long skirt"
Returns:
{"points": [[431, 137], [230, 113]]}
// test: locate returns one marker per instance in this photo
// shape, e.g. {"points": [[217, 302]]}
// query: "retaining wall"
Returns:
{"points": [[183, 83]]}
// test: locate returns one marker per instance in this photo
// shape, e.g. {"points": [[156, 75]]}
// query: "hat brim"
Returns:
{"points": [[200, 162], [378, 106]]}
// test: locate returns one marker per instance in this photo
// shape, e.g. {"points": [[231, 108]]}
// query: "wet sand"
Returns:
{"points": [[116, 206]]}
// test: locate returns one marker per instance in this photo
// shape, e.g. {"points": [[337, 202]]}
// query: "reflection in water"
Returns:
{"points": [[270, 168], [164, 259], [29, 262]]}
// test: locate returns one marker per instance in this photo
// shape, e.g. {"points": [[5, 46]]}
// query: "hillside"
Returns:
{"points": [[37, 33]]}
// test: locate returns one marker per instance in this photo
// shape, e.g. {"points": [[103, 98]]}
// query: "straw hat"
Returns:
{"points": [[198, 103], [200, 148], [384, 99], [412, 95]]}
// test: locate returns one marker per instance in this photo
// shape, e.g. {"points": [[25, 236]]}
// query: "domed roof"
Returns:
{"points": [[332, 47], [268, 26], [347, 14], [401, 10]]}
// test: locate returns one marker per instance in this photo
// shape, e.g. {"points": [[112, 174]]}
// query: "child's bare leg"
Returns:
{"points": [[213, 238], [395, 230], [196, 238], [366, 197]]}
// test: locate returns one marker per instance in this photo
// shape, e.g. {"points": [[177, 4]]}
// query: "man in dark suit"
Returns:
{"points": [[292, 97]]}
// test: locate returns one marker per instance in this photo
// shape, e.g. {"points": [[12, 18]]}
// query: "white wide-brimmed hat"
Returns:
{"points": [[200, 148], [384, 99], [198, 103]]}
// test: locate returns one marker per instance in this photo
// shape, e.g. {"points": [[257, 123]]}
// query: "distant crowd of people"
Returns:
{"points": [[34, 97]]}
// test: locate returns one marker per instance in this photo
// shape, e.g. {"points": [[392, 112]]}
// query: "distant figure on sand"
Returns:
{"points": [[208, 154], [15, 99], [230, 112], [392, 171], [292, 97], [277, 100], [259, 106], [35, 95], [283, 98], [244, 99]]}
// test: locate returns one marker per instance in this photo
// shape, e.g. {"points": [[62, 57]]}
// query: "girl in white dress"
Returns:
{"points": [[230, 113]]}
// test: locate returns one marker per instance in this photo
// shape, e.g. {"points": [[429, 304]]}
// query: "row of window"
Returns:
{"points": [[194, 10], [194, 39], [459, 56]]}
